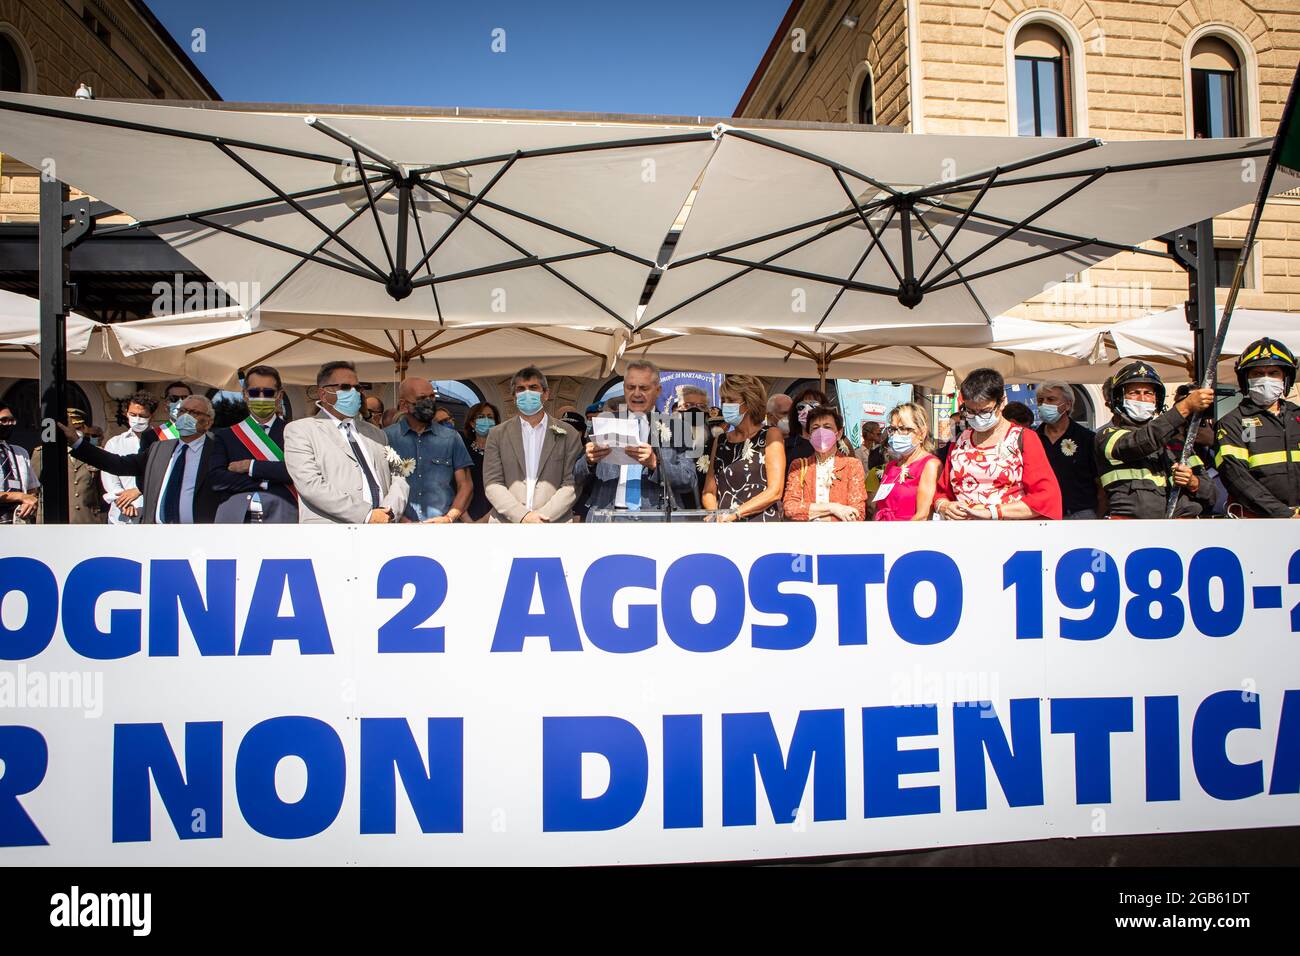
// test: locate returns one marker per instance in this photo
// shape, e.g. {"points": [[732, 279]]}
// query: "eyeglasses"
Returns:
{"points": [[900, 430], [177, 398], [8, 421], [261, 392]]}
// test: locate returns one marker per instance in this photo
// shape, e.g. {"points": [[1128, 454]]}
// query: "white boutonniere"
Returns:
{"points": [[557, 430], [398, 467], [1068, 447], [747, 451], [702, 464], [665, 432]]}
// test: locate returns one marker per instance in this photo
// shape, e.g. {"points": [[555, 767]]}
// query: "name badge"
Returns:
{"points": [[883, 491]]}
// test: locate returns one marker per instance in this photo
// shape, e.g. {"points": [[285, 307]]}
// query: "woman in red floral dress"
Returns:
{"points": [[995, 469]]}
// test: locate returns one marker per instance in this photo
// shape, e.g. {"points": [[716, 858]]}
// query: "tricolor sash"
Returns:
{"points": [[166, 430], [257, 440]]}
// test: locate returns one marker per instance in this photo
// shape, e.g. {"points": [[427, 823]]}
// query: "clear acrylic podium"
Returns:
{"points": [[653, 516]]}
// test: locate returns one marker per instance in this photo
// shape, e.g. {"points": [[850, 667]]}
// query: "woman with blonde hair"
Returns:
{"points": [[747, 462], [906, 491]]}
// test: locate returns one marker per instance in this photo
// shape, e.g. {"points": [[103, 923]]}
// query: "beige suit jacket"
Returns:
{"points": [[505, 472], [331, 487]]}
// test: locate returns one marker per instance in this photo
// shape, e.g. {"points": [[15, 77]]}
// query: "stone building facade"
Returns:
{"points": [[1113, 69]]}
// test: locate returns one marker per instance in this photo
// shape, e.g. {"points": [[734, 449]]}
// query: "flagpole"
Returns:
{"points": [[1238, 276]]}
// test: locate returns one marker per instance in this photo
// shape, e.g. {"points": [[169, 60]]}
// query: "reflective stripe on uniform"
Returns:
{"points": [[1133, 474], [1271, 458], [1231, 451], [1110, 444]]}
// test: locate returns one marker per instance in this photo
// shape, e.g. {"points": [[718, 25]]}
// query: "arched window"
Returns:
{"points": [[1216, 89], [1043, 80], [11, 67], [866, 112]]}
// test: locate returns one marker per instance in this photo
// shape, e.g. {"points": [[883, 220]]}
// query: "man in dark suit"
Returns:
{"points": [[248, 469], [174, 473]]}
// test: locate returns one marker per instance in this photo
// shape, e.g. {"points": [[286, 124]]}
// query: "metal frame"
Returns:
{"points": [[915, 280], [379, 175]]}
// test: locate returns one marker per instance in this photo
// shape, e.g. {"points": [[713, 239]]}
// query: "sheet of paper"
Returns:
{"points": [[616, 434], [883, 491]]}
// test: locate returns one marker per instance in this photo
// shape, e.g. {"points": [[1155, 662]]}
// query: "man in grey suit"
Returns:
{"points": [[175, 474], [339, 464], [638, 486], [528, 461]]}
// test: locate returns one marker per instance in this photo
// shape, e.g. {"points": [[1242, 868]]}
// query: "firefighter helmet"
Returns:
{"points": [[1131, 374], [1263, 352]]}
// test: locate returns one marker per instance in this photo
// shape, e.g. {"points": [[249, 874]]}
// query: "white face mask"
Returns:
{"points": [[985, 421], [1139, 411], [138, 423], [1265, 391]]}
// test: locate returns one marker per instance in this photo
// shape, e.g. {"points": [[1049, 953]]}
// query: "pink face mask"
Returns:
{"points": [[823, 439]]}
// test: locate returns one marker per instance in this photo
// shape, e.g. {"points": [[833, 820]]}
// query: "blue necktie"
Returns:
{"points": [[171, 496], [633, 488]]}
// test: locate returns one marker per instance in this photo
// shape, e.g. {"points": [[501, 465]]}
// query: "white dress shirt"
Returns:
{"points": [[533, 438], [127, 443], [189, 482], [348, 428], [20, 465]]}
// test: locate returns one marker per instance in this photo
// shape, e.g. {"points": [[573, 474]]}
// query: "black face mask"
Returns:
{"points": [[424, 410], [6, 431]]}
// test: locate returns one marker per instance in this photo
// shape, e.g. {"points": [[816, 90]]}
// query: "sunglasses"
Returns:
{"points": [[335, 389], [261, 392]]}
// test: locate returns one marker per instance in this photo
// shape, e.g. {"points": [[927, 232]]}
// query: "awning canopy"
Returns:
{"points": [[830, 231], [449, 221]]}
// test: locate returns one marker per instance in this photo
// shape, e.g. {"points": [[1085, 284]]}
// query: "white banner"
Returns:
{"points": [[591, 695]]}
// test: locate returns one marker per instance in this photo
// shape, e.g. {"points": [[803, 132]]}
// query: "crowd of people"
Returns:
{"points": [[755, 457]]}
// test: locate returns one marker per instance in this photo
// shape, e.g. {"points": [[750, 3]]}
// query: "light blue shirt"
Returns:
{"points": [[188, 483], [438, 453]]}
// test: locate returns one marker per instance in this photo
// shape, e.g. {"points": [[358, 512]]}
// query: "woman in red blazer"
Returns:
{"points": [[827, 485]]}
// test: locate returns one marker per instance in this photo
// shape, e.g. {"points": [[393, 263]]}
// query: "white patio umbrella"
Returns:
{"points": [[90, 355], [1015, 347], [386, 216], [216, 346], [824, 230]]}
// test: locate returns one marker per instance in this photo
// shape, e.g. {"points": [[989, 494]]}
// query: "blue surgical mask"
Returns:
{"points": [[186, 424], [483, 425], [173, 408], [986, 421], [528, 402], [348, 403], [901, 444], [731, 413], [1049, 413]]}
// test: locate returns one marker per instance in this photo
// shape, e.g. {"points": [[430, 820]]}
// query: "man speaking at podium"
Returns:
{"points": [[637, 486]]}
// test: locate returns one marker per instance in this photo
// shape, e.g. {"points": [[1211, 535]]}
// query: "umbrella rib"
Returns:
{"points": [[509, 266], [533, 220], [866, 222], [993, 270], [1052, 233], [840, 291], [996, 171], [666, 140], [298, 207], [463, 338], [223, 210], [271, 243], [1010, 230], [469, 208], [1135, 167], [965, 216], [943, 251], [743, 272], [520, 249], [847, 219], [810, 276], [172, 133], [356, 214], [560, 341], [372, 201], [418, 348], [419, 235], [812, 157]]}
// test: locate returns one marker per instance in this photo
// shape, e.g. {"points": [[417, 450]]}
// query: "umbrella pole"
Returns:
{"points": [[54, 349], [821, 370]]}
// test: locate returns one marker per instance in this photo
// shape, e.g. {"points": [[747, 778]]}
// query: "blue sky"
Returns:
{"points": [[666, 56]]}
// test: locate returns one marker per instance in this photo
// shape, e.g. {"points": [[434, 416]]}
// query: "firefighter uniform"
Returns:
{"points": [[1259, 451], [1135, 460]]}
